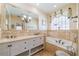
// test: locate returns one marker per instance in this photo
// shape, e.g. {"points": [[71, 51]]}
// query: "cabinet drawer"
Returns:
{"points": [[36, 42], [40, 41]]}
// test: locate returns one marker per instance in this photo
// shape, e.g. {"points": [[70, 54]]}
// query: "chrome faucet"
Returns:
{"points": [[59, 41]]}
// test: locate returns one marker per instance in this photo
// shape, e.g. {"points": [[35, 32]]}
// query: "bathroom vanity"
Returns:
{"points": [[17, 23], [17, 46]]}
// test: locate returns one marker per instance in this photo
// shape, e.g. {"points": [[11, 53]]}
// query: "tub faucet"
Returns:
{"points": [[59, 41]]}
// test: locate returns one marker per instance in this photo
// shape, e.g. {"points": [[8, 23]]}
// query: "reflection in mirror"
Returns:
{"points": [[18, 19], [3, 17]]}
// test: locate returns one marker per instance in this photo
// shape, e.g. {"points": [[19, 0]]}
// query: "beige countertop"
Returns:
{"points": [[6, 40]]}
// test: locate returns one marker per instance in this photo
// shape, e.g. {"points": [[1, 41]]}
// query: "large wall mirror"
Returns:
{"points": [[14, 18]]}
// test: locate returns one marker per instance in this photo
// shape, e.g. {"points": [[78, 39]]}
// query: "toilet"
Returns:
{"points": [[61, 53]]}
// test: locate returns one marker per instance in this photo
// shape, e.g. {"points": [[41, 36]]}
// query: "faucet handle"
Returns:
{"points": [[59, 41]]}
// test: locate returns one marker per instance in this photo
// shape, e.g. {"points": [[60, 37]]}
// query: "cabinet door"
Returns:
{"points": [[4, 49], [17, 48]]}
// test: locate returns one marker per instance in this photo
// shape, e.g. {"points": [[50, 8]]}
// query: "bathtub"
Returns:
{"points": [[65, 44]]}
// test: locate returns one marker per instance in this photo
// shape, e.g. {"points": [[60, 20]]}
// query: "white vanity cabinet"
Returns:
{"points": [[32, 45], [4, 49]]}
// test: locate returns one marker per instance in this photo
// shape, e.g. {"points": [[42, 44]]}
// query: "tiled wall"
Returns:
{"points": [[22, 33], [68, 35]]}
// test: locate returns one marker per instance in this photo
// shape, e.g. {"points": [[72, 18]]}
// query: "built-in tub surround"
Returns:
{"points": [[65, 44]]}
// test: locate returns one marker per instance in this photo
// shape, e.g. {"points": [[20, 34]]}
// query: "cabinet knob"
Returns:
{"points": [[9, 45], [25, 42], [40, 38], [25, 48], [33, 40]]}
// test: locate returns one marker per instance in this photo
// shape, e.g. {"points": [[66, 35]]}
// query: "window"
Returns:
{"points": [[60, 22], [42, 23]]}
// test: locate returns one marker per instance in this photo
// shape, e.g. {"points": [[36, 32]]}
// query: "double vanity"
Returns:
{"points": [[27, 45], [15, 24]]}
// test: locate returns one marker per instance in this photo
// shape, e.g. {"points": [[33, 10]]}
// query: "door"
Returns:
{"points": [[4, 49], [16, 48], [19, 47]]}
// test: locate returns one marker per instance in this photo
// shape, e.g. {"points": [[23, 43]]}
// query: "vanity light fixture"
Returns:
{"points": [[29, 17], [24, 16]]}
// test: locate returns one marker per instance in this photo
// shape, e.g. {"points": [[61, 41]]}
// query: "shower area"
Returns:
{"points": [[64, 31]]}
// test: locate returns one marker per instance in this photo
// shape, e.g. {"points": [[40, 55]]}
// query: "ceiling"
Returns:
{"points": [[47, 7]]}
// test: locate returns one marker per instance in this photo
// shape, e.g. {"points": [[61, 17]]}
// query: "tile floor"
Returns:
{"points": [[44, 53]]}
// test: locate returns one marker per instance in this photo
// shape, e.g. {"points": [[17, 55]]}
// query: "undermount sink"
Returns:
{"points": [[10, 37], [61, 53], [36, 33]]}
